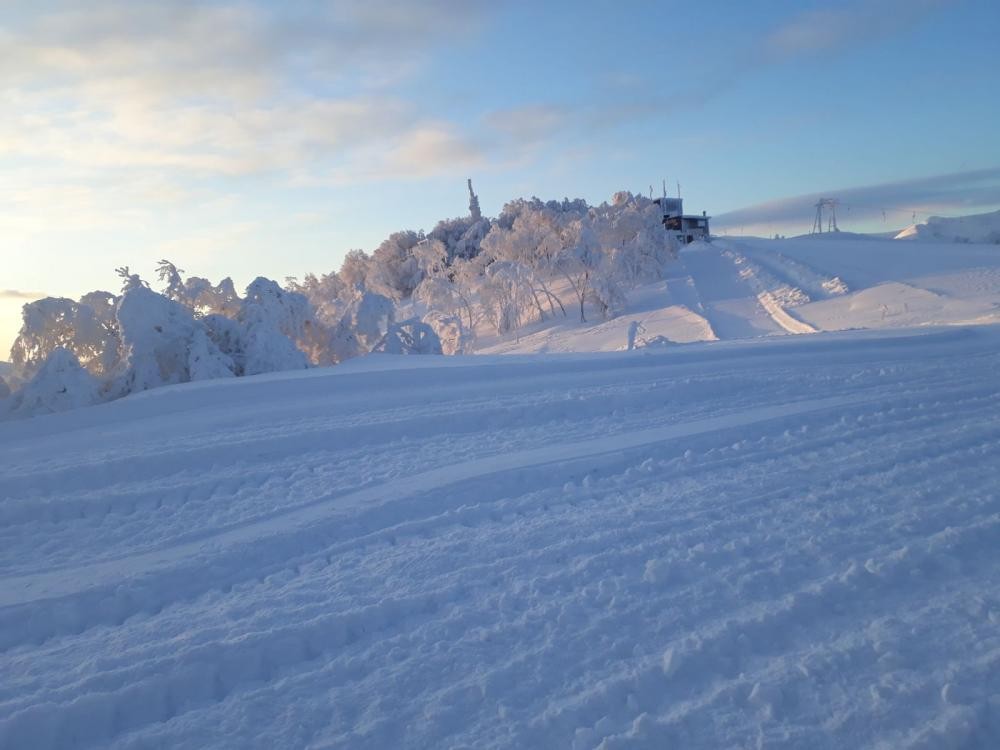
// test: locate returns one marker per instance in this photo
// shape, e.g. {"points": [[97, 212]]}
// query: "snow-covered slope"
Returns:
{"points": [[975, 228], [737, 289], [786, 542]]}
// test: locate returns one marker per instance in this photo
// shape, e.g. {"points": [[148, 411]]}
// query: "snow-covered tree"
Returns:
{"points": [[129, 280], [170, 276], [409, 337], [274, 320], [394, 271], [579, 259], [532, 242], [328, 295], [163, 344], [60, 384], [504, 294], [431, 258], [355, 269], [365, 321], [370, 316], [198, 294], [455, 338], [54, 322]]}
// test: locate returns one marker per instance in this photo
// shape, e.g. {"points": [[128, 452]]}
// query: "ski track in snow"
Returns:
{"points": [[793, 272], [736, 299], [788, 543]]}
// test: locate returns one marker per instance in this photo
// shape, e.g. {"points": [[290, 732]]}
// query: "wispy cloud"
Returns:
{"points": [[224, 89], [20, 294], [624, 96], [832, 29], [893, 203]]}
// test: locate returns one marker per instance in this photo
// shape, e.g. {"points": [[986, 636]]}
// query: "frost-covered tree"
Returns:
{"points": [[631, 232], [394, 271], [455, 338], [170, 277], [274, 320], [532, 242], [60, 384], [228, 336], [198, 294], [363, 324], [206, 298], [431, 258], [370, 315], [163, 344], [55, 322], [355, 269], [328, 295], [463, 236], [409, 337], [504, 294], [129, 280], [579, 259]]}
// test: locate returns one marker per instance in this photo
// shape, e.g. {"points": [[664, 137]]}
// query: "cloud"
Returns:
{"points": [[216, 89], [530, 123], [832, 29], [622, 97], [953, 193], [20, 294]]}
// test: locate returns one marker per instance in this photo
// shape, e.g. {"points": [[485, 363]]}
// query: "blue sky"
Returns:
{"points": [[244, 139]]}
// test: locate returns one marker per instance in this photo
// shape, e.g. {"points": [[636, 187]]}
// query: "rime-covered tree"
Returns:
{"points": [[83, 328], [274, 321], [328, 295], [394, 271], [455, 338], [60, 384], [355, 269], [163, 344], [409, 337]]}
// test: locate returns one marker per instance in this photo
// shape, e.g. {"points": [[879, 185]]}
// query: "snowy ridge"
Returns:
{"points": [[983, 228], [725, 545]]}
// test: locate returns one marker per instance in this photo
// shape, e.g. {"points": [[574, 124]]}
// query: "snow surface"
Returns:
{"points": [[751, 288], [973, 228], [787, 542]]}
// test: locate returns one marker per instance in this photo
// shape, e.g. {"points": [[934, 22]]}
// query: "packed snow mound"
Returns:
{"points": [[983, 228], [791, 542]]}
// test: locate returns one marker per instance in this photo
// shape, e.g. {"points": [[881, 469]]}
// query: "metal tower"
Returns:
{"points": [[830, 204]]}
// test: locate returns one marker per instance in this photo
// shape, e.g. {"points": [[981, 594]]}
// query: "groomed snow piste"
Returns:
{"points": [[789, 542]]}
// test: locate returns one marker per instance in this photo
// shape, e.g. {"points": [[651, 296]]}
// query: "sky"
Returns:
{"points": [[240, 138]]}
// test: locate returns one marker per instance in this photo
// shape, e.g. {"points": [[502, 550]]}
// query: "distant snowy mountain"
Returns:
{"points": [[984, 228]]}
